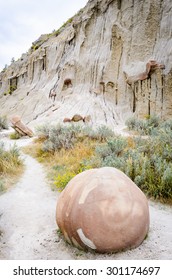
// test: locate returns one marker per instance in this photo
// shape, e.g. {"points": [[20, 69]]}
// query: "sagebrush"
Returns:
{"points": [[147, 161], [145, 126], [3, 122]]}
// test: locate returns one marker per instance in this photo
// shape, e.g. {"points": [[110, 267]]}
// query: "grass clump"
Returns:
{"points": [[14, 136], [9, 160], [145, 126], [101, 134], [10, 165], [167, 126], [67, 164], [3, 122], [10, 90], [61, 180]]}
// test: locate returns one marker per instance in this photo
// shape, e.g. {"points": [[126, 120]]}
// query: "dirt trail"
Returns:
{"points": [[29, 231], [28, 215]]}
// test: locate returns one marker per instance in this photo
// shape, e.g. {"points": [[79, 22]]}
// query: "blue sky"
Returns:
{"points": [[23, 21]]}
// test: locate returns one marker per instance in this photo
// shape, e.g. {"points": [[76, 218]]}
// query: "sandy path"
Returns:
{"points": [[29, 231], [28, 215]]}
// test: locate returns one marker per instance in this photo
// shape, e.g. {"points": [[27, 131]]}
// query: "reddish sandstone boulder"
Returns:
{"points": [[20, 127], [66, 120], [77, 118], [103, 210]]}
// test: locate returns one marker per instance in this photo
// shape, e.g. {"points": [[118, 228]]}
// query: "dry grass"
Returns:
{"points": [[63, 164], [10, 179], [35, 151], [131, 143], [73, 157], [11, 167], [69, 158]]}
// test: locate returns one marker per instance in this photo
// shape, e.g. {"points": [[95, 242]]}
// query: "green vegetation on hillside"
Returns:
{"points": [[3, 122], [10, 90], [38, 43], [69, 150]]}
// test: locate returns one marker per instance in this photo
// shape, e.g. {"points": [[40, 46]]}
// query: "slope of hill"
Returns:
{"points": [[98, 64]]}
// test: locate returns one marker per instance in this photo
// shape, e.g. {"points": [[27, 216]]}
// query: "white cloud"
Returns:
{"points": [[23, 21]]}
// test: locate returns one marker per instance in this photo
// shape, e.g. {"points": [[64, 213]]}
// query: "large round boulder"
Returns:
{"points": [[103, 210]]}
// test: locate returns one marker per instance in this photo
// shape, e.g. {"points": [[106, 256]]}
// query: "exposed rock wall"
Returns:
{"points": [[83, 69]]}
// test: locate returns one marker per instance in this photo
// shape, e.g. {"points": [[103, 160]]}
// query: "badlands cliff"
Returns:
{"points": [[96, 65]]}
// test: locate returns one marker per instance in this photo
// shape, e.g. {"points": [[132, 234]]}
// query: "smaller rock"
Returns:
{"points": [[87, 119], [66, 120], [20, 127], [77, 118]]}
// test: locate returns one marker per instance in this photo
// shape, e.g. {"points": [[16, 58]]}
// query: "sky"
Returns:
{"points": [[23, 21]]}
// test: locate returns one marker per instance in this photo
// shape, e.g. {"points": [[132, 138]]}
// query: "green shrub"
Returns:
{"points": [[114, 161], [93, 162], [62, 179], [144, 127], [90, 133], [2, 187], [114, 146], [34, 47], [60, 137], [117, 145], [43, 130], [103, 151], [10, 166], [138, 125], [14, 136], [166, 191], [67, 22], [9, 160], [153, 121], [148, 164], [3, 122], [12, 88], [167, 125], [65, 174], [131, 123], [103, 133]]}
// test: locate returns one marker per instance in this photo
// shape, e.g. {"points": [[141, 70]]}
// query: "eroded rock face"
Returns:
{"points": [[82, 69], [103, 210]]}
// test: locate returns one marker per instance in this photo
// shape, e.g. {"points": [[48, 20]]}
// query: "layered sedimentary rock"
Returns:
{"points": [[84, 68], [20, 127]]}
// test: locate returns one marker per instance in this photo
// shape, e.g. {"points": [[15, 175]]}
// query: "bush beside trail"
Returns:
{"points": [[69, 150], [3, 122], [10, 165]]}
